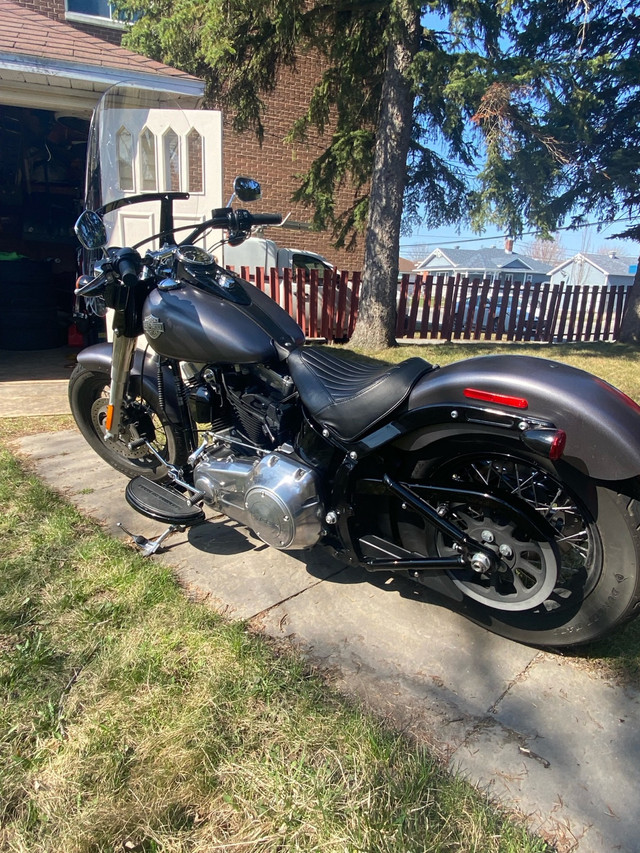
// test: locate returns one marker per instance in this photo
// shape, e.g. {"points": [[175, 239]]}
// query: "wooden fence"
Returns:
{"points": [[326, 306]]}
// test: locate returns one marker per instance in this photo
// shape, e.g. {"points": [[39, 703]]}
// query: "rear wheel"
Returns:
{"points": [[88, 398], [570, 589]]}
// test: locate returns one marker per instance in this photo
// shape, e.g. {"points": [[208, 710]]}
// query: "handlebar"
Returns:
{"points": [[237, 222]]}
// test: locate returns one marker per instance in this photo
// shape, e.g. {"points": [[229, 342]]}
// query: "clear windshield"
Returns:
{"points": [[143, 142]]}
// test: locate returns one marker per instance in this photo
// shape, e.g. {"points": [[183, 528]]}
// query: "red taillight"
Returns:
{"points": [[499, 399], [546, 441], [557, 445]]}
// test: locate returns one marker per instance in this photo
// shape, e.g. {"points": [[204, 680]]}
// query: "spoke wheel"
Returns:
{"points": [[527, 570], [531, 574], [141, 418], [595, 547]]}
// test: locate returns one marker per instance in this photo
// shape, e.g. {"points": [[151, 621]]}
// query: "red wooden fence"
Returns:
{"points": [[326, 306]]}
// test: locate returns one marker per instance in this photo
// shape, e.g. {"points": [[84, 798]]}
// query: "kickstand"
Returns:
{"points": [[148, 547]]}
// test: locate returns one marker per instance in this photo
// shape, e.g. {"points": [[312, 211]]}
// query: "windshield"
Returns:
{"points": [[143, 143]]}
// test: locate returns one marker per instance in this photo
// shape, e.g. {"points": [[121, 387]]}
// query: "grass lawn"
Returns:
{"points": [[134, 719]]}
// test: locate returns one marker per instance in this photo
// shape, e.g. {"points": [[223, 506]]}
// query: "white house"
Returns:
{"points": [[595, 269], [52, 75], [498, 265]]}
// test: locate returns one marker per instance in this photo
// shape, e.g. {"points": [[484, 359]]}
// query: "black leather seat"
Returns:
{"points": [[347, 397]]}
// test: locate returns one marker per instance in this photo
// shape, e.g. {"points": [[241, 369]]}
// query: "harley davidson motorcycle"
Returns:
{"points": [[506, 485]]}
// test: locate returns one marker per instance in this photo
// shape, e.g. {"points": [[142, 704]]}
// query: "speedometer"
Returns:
{"points": [[194, 255]]}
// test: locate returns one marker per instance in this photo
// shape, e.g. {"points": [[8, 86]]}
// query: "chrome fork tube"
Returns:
{"points": [[121, 360]]}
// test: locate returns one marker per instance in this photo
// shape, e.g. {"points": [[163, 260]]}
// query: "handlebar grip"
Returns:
{"points": [[266, 218], [127, 264]]}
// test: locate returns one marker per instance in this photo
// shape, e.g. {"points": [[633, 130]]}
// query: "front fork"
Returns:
{"points": [[122, 359]]}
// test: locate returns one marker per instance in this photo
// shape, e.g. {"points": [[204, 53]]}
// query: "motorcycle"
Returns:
{"points": [[508, 486]]}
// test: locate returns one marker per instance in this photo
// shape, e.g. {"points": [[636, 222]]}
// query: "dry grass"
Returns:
{"points": [[34, 425]]}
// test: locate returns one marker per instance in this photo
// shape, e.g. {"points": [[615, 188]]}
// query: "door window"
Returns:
{"points": [[195, 172], [172, 161], [124, 147], [148, 172]]}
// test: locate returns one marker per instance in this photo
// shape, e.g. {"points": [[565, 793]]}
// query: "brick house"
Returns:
{"points": [[56, 58]]}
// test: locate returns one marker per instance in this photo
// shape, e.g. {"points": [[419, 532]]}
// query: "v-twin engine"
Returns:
{"points": [[277, 496]]}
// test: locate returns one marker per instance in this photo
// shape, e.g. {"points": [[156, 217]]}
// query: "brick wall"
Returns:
{"points": [[276, 163]]}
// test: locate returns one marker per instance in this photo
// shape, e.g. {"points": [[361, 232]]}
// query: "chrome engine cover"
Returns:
{"points": [[277, 497]]}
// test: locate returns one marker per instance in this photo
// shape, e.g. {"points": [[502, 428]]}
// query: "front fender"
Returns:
{"points": [[602, 424], [143, 371]]}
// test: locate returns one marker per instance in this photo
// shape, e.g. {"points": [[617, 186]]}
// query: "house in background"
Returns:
{"points": [[407, 267], [595, 269], [500, 266]]}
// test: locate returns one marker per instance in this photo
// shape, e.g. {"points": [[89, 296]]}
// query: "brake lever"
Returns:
{"points": [[86, 285]]}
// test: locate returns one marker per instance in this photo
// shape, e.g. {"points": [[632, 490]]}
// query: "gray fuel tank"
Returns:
{"points": [[191, 321]]}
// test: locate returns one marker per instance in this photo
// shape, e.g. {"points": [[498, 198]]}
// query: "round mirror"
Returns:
{"points": [[90, 230], [247, 189]]}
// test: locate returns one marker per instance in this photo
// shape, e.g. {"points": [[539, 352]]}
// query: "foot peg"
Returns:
{"points": [[161, 503]]}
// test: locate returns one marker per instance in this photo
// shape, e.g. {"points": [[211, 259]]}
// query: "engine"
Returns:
{"points": [[277, 496]]}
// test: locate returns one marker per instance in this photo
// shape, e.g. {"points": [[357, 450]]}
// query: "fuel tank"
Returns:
{"points": [[210, 315]]}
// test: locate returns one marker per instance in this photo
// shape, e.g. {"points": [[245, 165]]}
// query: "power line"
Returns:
{"points": [[524, 234]]}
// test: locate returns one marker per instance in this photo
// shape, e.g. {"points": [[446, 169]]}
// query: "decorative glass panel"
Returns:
{"points": [[194, 162], [124, 148], [172, 160], [148, 161]]}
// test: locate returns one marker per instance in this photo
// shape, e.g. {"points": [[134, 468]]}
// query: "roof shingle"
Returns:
{"points": [[27, 33]]}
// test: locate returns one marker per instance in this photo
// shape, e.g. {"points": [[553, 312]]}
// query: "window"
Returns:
{"points": [[148, 174], [103, 9], [309, 263], [124, 150], [172, 161], [195, 170]]}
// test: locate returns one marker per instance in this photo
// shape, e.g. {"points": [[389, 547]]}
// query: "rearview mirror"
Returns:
{"points": [[247, 189], [90, 230]]}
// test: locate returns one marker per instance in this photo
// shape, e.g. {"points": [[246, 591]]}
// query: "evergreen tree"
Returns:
{"points": [[518, 113]]}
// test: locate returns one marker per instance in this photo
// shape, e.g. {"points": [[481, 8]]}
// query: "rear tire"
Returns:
{"points": [[597, 587], [88, 397]]}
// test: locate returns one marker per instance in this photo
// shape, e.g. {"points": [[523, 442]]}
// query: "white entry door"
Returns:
{"points": [[151, 150]]}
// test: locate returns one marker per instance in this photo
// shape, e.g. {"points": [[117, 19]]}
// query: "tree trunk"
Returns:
{"points": [[376, 323], [630, 328]]}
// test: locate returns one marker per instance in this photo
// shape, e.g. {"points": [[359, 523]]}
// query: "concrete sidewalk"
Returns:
{"points": [[35, 382], [535, 731]]}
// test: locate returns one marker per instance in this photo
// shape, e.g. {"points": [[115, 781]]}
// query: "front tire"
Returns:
{"points": [[597, 544], [88, 398]]}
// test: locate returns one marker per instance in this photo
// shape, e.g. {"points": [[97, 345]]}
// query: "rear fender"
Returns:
{"points": [[143, 372], [602, 424]]}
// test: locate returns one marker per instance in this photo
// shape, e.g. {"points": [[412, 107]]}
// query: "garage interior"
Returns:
{"points": [[42, 168]]}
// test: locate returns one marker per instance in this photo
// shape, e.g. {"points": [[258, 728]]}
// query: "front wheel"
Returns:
{"points": [[572, 589], [88, 398]]}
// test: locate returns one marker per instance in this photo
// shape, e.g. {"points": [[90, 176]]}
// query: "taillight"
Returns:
{"points": [[547, 442]]}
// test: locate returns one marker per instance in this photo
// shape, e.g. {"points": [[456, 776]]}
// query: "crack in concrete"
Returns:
{"points": [[293, 595], [488, 719]]}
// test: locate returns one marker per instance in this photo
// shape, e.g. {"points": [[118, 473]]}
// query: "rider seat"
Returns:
{"points": [[347, 397]]}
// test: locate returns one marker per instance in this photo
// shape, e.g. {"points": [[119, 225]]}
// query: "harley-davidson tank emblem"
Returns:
{"points": [[153, 327]]}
